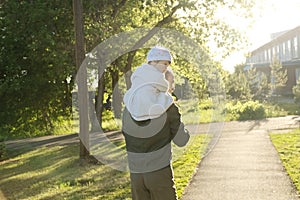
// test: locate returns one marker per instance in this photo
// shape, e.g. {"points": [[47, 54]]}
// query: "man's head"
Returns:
{"points": [[169, 75]]}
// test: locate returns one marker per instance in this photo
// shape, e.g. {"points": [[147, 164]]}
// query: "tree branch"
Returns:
{"points": [[117, 9], [147, 37]]}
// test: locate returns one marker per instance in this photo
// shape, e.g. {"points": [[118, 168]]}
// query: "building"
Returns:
{"points": [[285, 47]]}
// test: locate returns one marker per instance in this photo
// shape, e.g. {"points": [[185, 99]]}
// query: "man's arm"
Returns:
{"points": [[181, 135]]}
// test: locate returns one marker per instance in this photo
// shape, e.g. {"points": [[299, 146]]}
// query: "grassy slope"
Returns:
{"points": [[55, 173], [288, 147]]}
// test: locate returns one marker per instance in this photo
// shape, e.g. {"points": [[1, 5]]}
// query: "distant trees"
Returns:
{"points": [[246, 83], [296, 91], [278, 76], [237, 86], [258, 84]]}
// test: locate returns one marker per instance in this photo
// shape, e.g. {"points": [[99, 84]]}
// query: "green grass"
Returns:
{"points": [[194, 111], [288, 147], [281, 109], [112, 124], [186, 160], [56, 173]]}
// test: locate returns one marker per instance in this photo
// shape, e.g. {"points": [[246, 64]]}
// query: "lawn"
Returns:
{"points": [[204, 111], [288, 147], [56, 173]]}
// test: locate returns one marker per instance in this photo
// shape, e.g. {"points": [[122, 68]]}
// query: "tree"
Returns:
{"points": [[247, 84], [197, 23], [278, 76], [296, 91], [82, 79], [264, 88], [258, 84], [37, 52], [36, 60], [237, 86]]}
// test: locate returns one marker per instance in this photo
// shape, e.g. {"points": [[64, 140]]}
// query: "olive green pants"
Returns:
{"points": [[157, 185]]}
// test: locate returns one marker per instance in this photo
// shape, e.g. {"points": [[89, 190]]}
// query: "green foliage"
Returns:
{"points": [[275, 110], [109, 122], [238, 88], [288, 148], [296, 91], [206, 104], [194, 111], [278, 76], [3, 153], [250, 110], [37, 52], [290, 108], [248, 84], [36, 57], [258, 84]]}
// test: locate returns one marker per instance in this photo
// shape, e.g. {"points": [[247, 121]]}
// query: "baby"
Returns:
{"points": [[148, 97]]}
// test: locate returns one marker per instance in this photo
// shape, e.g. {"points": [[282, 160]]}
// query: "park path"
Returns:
{"points": [[270, 124], [244, 165]]}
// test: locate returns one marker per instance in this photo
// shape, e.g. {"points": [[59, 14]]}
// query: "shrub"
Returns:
{"points": [[205, 104], [250, 110], [296, 92], [3, 153]]}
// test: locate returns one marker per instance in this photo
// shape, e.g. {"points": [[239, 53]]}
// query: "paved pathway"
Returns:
{"points": [[244, 165]]}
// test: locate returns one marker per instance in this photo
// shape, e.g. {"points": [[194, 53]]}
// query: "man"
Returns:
{"points": [[149, 130]]}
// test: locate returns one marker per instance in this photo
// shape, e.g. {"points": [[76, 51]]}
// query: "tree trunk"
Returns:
{"points": [[116, 95], [127, 69], [82, 79], [99, 99], [92, 116]]}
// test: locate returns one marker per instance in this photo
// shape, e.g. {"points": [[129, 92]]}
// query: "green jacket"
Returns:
{"points": [[148, 142]]}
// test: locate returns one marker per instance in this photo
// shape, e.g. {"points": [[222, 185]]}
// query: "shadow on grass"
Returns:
{"points": [[56, 173], [18, 147]]}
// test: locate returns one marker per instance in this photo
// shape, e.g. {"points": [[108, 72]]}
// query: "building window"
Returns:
{"points": [[280, 52], [283, 52], [265, 56], [277, 52], [297, 74], [295, 47], [298, 45], [288, 50]]}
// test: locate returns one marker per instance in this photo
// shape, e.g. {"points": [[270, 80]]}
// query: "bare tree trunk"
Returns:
{"points": [[116, 95], [82, 79], [92, 116], [99, 98], [127, 69], [127, 79]]}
